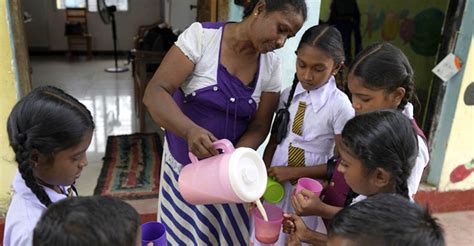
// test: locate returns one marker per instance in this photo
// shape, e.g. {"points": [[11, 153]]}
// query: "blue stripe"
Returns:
{"points": [[188, 218], [198, 213], [216, 213], [168, 230], [177, 224], [245, 215], [234, 224]]}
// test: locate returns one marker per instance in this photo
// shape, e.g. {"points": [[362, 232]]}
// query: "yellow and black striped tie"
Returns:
{"points": [[295, 154]]}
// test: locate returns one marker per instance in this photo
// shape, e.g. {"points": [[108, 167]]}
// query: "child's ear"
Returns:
{"points": [[35, 158], [337, 68], [398, 95], [381, 178]]}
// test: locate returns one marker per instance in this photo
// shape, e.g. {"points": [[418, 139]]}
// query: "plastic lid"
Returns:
{"points": [[247, 174]]}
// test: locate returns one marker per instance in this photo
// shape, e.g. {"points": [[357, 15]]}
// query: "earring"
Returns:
{"points": [[255, 13]]}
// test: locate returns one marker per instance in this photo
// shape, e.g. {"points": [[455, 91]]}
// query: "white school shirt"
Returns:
{"points": [[202, 47], [24, 212], [422, 160], [327, 111]]}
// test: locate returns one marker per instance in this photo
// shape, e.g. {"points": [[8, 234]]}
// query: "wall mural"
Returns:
{"points": [[421, 30], [413, 26], [461, 172]]}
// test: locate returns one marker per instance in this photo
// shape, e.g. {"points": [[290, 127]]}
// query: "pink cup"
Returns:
{"points": [[268, 231], [309, 184]]}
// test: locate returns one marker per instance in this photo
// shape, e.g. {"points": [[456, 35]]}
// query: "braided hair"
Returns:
{"points": [[299, 6], [46, 120], [384, 66], [383, 139]]}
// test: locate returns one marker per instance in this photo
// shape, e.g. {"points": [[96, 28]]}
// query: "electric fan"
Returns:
{"points": [[107, 14]]}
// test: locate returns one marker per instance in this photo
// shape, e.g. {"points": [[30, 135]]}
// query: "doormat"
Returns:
{"points": [[131, 167]]}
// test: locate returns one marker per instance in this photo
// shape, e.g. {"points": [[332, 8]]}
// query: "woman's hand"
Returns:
{"points": [[282, 174], [200, 142], [307, 203]]}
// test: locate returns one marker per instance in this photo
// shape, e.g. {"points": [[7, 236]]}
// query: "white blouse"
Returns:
{"points": [[202, 46]]}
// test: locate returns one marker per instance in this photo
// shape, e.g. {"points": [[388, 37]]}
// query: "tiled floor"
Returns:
{"points": [[110, 99]]}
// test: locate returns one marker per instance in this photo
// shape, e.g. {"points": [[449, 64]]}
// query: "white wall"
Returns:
{"points": [[47, 27]]}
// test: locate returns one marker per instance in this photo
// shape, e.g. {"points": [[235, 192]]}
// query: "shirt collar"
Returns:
{"points": [[319, 96], [20, 188]]}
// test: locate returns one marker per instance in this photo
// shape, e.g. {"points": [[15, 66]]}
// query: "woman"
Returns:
{"points": [[219, 80]]}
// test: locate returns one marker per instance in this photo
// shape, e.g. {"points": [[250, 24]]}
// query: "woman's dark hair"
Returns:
{"points": [[299, 6], [47, 120], [91, 221], [386, 219], [383, 139], [384, 66]]}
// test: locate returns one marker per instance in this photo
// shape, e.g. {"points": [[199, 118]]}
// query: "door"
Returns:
{"points": [[180, 14]]}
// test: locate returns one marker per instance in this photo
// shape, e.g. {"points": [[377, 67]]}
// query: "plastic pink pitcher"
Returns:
{"points": [[267, 232], [309, 184], [234, 176]]}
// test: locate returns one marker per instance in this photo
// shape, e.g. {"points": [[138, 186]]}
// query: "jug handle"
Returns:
{"points": [[224, 144]]}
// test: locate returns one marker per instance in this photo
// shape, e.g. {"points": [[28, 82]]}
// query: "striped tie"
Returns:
{"points": [[295, 154], [297, 127]]}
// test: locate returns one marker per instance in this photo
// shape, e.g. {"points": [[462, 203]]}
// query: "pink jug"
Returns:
{"points": [[234, 176]]}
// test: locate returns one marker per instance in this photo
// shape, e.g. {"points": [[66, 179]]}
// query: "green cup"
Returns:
{"points": [[274, 192]]}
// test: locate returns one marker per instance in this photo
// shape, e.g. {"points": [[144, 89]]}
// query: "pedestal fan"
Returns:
{"points": [[107, 14]]}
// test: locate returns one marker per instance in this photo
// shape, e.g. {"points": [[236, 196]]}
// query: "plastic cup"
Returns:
{"points": [[309, 184], [274, 191], [267, 232], [154, 232]]}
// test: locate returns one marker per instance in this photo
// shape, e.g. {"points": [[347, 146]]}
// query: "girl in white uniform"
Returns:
{"points": [[326, 109], [50, 132]]}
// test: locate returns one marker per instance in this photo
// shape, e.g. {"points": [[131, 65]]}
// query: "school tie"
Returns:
{"points": [[295, 154], [297, 127]]}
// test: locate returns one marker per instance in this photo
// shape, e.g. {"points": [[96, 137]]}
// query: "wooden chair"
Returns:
{"points": [[80, 37]]}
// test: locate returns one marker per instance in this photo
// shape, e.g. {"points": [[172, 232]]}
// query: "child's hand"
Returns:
{"points": [[295, 226], [281, 174], [292, 240], [307, 203]]}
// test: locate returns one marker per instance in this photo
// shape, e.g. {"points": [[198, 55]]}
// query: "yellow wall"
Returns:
{"points": [[8, 97], [460, 147]]}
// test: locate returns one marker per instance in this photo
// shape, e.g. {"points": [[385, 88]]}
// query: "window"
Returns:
{"points": [[122, 5]]}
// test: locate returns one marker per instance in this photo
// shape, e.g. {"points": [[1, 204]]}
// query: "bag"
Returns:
{"points": [[282, 118]]}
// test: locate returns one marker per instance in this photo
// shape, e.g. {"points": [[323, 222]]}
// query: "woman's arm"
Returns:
{"points": [[259, 126], [173, 71]]}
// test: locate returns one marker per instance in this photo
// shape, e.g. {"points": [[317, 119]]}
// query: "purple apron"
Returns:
{"points": [[224, 109]]}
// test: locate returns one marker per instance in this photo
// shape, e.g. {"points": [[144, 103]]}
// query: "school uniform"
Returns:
{"points": [[327, 111], [220, 102], [25, 211]]}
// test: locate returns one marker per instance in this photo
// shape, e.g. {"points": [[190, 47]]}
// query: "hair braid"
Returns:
{"points": [[23, 156], [401, 185]]}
